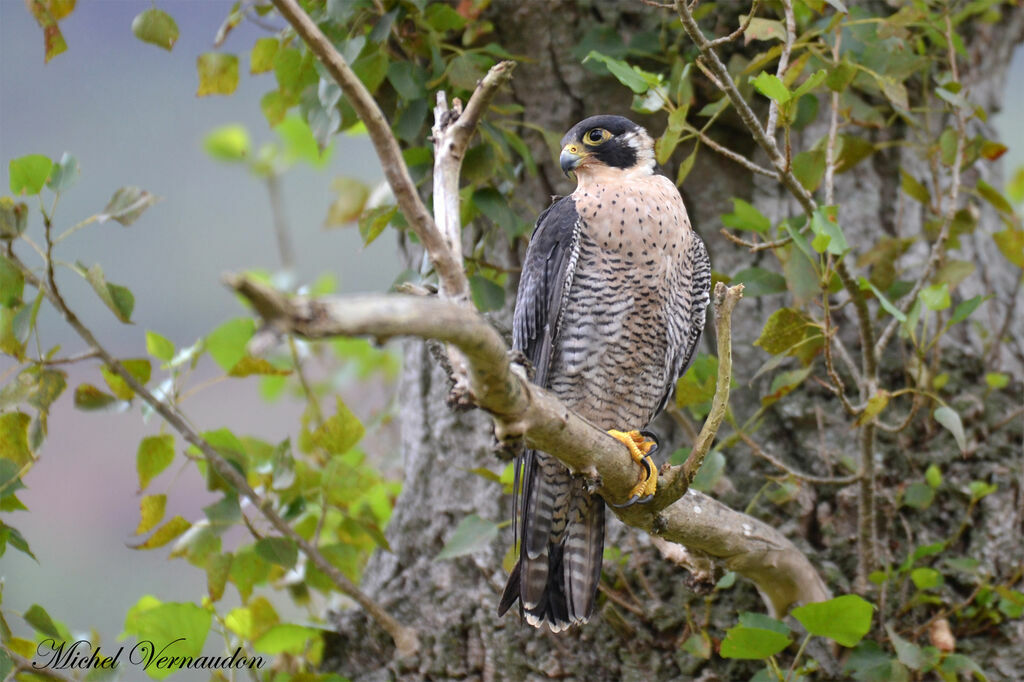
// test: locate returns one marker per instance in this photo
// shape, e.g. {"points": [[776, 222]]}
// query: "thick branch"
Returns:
{"points": [[781, 572], [449, 270]]}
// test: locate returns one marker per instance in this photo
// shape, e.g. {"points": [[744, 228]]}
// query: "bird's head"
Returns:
{"points": [[607, 141]]}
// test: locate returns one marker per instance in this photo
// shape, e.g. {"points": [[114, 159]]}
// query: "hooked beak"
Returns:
{"points": [[571, 157]]}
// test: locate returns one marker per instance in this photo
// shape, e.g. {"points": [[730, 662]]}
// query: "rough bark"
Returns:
{"points": [[453, 602]]}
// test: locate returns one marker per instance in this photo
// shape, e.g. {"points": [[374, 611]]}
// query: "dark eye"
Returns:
{"points": [[595, 135]]}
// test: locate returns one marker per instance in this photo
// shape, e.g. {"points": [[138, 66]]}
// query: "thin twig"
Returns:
{"points": [[780, 71], [754, 247], [406, 639], [938, 250], [679, 479], [741, 30], [731, 155], [779, 464]]}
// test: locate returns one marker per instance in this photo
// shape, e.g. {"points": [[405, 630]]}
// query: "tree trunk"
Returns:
{"points": [[638, 633]]}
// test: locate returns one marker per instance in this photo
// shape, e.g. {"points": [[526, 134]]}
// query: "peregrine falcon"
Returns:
{"points": [[610, 310]]}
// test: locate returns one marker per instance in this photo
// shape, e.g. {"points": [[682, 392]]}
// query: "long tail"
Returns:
{"points": [[560, 531]]}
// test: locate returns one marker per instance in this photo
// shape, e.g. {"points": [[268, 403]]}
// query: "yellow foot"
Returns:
{"points": [[640, 448]]}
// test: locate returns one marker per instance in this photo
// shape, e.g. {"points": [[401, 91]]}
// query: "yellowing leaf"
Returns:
{"points": [[218, 73], [874, 407], [151, 512], [14, 438], [340, 432], [155, 454], [165, 533]]}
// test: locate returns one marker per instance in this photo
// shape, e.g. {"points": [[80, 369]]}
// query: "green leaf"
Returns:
{"points": [[156, 27], [813, 81], [218, 568], [472, 534], [350, 199], [494, 205], [874, 406], [89, 398], [628, 75], [299, 143], [686, 166], [844, 619], [918, 495], [762, 29], [933, 475], [852, 150], [261, 59], [280, 551], [218, 73], [127, 204], [151, 512], [785, 328], [991, 195], [1015, 187], [12, 283], [140, 370], [840, 76], [997, 380], [64, 173], [825, 226], [771, 87], [227, 342], [913, 188], [936, 297], [29, 173], [865, 285], [869, 662], [909, 654], [926, 578], [759, 282], [746, 217], [1011, 244], [373, 222], [155, 454], [249, 366], [340, 432], [227, 143], [159, 346], [809, 168], [697, 385], [38, 618], [165, 533], [486, 294], [13, 218], [980, 489], [14, 438], [286, 638], [180, 627], [698, 644], [752, 643], [948, 418], [443, 18], [759, 620]]}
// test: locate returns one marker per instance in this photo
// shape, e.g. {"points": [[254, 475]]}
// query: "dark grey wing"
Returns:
{"points": [[546, 277], [547, 270], [688, 314]]}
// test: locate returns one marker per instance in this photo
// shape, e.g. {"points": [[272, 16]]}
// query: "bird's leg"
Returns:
{"points": [[641, 445]]}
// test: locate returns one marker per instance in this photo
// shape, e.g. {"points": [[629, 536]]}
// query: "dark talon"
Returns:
{"points": [[651, 471], [650, 435]]}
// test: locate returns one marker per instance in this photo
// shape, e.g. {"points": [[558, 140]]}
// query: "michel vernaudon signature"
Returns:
{"points": [[81, 655]]}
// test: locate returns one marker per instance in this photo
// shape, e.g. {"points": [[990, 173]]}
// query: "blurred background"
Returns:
{"points": [[129, 113]]}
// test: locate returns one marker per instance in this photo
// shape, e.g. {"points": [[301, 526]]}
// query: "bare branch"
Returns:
{"points": [[754, 549], [449, 270], [733, 156], [779, 464]]}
